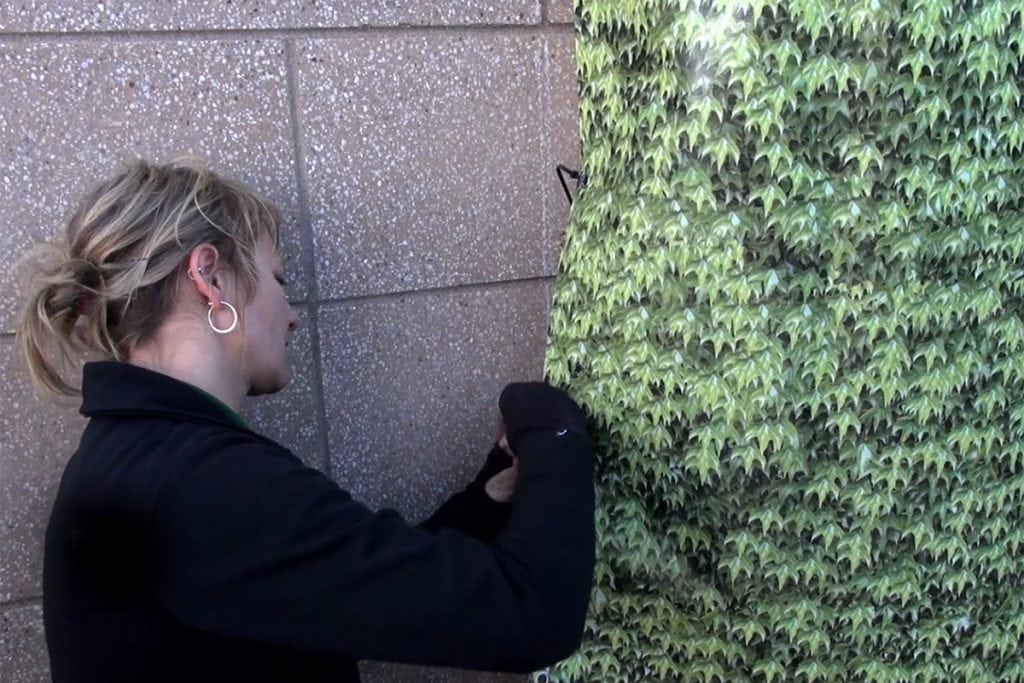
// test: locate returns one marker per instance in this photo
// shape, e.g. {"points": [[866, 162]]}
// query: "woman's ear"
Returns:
{"points": [[206, 278]]}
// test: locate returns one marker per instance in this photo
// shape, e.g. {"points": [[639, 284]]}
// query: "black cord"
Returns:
{"points": [[578, 176]]}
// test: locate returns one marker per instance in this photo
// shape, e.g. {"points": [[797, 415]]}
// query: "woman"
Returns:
{"points": [[183, 546]]}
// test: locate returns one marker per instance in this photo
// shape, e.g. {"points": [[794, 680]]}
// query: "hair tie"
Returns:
{"points": [[89, 275], [82, 301]]}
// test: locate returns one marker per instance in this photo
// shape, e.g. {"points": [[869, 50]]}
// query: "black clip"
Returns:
{"points": [[579, 176]]}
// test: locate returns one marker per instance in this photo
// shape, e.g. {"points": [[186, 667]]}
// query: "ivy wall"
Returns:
{"points": [[791, 296]]}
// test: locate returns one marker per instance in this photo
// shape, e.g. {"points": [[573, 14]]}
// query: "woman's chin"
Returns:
{"points": [[262, 386]]}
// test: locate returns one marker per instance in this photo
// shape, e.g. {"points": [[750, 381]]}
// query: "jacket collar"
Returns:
{"points": [[117, 388]]}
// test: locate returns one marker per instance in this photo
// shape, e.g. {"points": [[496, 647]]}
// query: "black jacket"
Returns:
{"points": [[184, 547]]}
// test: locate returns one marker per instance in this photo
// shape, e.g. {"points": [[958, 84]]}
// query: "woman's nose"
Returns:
{"points": [[294, 322]]}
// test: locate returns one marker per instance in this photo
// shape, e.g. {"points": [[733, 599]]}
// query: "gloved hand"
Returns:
{"points": [[498, 460], [537, 406]]}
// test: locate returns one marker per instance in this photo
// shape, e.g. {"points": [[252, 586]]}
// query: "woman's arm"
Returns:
{"points": [[252, 544]]}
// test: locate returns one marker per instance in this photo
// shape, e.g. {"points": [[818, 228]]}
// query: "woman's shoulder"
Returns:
{"points": [[159, 437], [240, 481], [141, 457]]}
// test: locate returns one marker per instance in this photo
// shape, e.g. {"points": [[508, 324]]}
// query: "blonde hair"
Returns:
{"points": [[111, 284]]}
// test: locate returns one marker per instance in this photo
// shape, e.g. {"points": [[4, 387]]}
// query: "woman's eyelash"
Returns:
{"points": [[282, 281]]}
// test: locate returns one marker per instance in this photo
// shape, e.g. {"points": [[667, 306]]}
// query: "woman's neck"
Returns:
{"points": [[191, 355]]}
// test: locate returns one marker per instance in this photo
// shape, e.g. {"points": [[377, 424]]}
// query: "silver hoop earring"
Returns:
{"points": [[209, 317]]}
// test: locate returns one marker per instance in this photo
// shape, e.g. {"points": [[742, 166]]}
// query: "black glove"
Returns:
{"points": [[538, 406], [471, 510], [497, 461]]}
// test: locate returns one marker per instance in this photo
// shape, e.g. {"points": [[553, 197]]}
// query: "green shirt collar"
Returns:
{"points": [[226, 409]]}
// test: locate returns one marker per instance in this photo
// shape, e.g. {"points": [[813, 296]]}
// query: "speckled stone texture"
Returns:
{"points": [[376, 672], [561, 139], [83, 108], [412, 382], [560, 11], [177, 15], [36, 439], [411, 146], [423, 159], [22, 646]]}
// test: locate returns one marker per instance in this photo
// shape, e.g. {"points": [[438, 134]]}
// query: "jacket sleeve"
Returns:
{"points": [[471, 510], [252, 544]]}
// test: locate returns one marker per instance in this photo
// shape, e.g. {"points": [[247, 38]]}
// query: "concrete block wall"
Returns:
{"points": [[411, 145]]}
